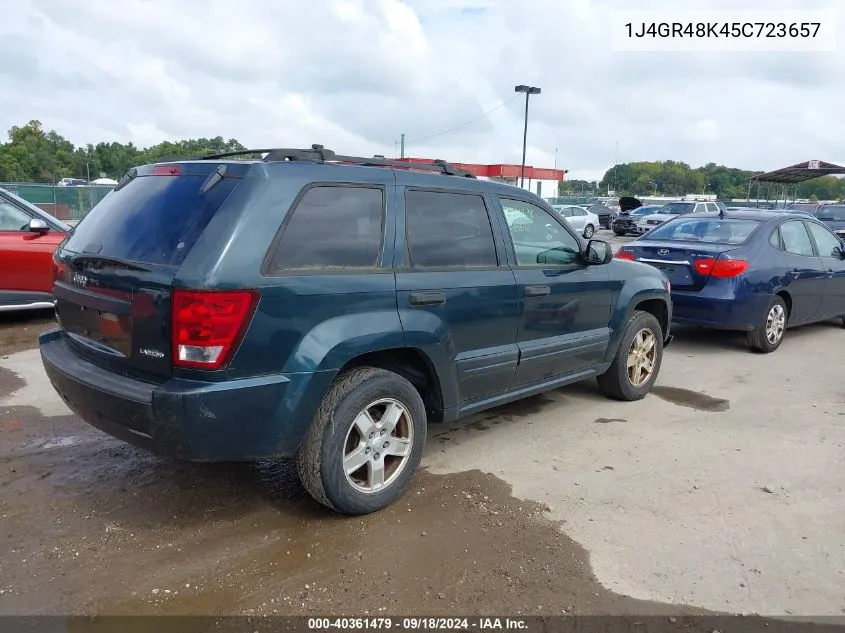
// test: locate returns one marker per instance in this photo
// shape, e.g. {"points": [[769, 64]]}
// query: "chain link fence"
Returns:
{"points": [[64, 203]]}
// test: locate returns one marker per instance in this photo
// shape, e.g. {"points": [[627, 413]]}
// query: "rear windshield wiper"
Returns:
{"points": [[112, 261]]}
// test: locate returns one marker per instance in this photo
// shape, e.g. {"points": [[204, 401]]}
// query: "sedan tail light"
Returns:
{"points": [[721, 268], [625, 255]]}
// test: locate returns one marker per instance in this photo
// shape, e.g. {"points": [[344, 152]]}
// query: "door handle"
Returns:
{"points": [[537, 291], [426, 298]]}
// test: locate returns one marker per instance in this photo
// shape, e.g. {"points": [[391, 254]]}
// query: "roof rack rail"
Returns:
{"points": [[319, 154]]}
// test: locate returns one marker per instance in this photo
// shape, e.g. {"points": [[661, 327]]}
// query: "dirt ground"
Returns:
{"points": [[19, 331], [90, 525]]}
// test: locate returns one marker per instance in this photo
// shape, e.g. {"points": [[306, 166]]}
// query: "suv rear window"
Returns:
{"points": [[152, 219]]}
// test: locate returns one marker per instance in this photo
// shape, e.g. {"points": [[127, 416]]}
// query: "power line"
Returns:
{"points": [[463, 125]]}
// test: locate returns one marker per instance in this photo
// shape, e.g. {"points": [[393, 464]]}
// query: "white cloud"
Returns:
{"points": [[355, 74]]}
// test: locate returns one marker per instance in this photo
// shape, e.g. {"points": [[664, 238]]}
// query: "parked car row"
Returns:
{"points": [[229, 308], [756, 271]]}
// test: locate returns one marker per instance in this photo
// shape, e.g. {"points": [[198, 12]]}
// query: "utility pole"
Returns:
{"points": [[615, 168], [402, 145], [528, 90]]}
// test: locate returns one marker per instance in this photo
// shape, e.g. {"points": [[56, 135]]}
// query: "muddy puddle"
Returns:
{"points": [[93, 526], [691, 399]]}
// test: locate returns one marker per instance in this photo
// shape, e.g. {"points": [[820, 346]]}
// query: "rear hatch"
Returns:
{"points": [[687, 266], [113, 274]]}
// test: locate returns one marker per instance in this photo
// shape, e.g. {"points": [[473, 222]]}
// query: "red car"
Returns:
{"points": [[28, 237]]}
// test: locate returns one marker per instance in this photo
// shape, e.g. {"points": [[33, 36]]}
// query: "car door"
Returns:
{"points": [[456, 295], [830, 248], [565, 305], [804, 274], [577, 219], [25, 257]]}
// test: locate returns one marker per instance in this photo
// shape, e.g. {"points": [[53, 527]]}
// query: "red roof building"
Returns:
{"points": [[542, 181]]}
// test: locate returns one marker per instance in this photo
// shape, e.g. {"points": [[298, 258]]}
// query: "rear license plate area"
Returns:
{"points": [[678, 275]]}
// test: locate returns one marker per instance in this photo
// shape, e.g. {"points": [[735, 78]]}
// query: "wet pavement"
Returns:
{"points": [[722, 490]]}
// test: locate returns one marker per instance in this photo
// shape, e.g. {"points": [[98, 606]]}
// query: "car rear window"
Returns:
{"points": [[678, 208], [708, 230], [832, 213], [152, 219]]}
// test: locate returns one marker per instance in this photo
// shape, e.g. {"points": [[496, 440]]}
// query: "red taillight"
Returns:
{"points": [[58, 270], [722, 268], [207, 325], [166, 170], [625, 255]]}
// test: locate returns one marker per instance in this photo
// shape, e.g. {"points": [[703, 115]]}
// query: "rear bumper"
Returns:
{"points": [[722, 313], [186, 419]]}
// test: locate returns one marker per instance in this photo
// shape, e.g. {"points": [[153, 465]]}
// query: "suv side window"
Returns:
{"points": [[535, 232], [448, 230], [828, 244], [712, 208], [12, 218], [331, 227], [795, 238]]}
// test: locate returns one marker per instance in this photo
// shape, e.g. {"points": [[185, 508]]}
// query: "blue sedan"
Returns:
{"points": [[755, 271]]}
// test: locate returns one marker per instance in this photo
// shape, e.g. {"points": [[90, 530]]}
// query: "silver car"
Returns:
{"points": [[583, 221]]}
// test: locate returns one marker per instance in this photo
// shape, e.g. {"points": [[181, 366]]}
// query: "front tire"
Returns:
{"points": [[637, 363], [365, 442], [619, 233], [768, 335], [589, 231]]}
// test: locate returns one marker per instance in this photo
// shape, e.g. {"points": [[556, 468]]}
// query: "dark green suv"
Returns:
{"points": [[301, 303]]}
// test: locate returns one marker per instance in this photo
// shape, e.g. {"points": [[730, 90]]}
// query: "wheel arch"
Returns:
{"points": [[414, 366]]}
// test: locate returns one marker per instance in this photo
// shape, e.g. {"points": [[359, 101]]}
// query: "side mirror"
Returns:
{"points": [[842, 251], [598, 252], [37, 225]]}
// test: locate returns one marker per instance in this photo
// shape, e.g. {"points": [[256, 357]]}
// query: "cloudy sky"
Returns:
{"points": [[355, 74]]}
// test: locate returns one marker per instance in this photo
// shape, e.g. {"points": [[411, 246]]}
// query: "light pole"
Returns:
{"points": [[528, 90]]}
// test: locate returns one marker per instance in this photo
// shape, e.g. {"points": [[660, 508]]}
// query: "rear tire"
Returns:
{"points": [[589, 231], [768, 335], [372, 418], [641, 349]]}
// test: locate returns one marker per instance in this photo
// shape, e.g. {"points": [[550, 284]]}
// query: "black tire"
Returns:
{"points": [[589, 231], [615, 382], [320, 457], [619, 233], [758, 339]]}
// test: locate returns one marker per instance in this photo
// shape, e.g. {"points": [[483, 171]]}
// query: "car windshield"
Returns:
{"points": [[678, 208], [833, 213], [645, 211], [705, 230]]}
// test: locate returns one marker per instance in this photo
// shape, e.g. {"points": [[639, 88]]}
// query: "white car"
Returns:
{"points": [[583, 221], [674, 209]]}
